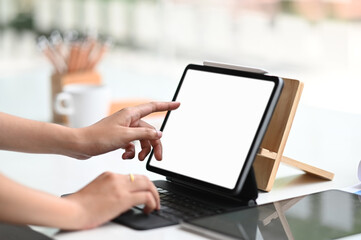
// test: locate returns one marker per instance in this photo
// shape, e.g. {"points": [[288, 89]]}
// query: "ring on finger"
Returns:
{"points": [[131, 177]]}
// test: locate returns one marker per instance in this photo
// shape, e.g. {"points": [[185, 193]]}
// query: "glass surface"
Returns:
{"points": [[209, 136], [326, 215]]}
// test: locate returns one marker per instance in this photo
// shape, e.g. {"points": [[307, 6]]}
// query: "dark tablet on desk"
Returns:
{"points": [[210, 142], [326, 215], [19, 232]]}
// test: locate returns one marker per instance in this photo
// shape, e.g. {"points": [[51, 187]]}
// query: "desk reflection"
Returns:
{"points": [[326, 215]]}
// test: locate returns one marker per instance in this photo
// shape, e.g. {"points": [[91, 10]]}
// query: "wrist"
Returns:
{"points": [[70, 216], [73, 143], [23, 205], [80, 216], [80, 144], [75, 216], [64, 213]]}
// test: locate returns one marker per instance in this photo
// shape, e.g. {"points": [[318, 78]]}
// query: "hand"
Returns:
{"points": [[123, 127], [110, 195]]}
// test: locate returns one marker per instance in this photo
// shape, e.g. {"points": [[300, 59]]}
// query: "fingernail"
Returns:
{"points": [[159, 134]]}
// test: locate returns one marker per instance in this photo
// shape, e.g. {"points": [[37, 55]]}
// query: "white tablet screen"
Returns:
{"points": [[209, 136]]}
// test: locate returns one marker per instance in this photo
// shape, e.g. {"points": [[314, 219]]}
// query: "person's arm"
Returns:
{"points": [[111, 133], [100, 201], [104, 198], [24, 135]]}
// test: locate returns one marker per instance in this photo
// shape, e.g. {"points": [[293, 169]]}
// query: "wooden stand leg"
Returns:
{"points": [[271, 153], [308, 168], [266, 162]]}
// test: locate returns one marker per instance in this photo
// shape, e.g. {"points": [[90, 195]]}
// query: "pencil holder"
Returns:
{"points": [[58, 81]]}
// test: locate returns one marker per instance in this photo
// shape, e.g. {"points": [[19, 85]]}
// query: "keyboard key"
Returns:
{"points": [[175, 206]]}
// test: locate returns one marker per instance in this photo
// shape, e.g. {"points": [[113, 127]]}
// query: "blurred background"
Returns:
{"points": [[315, 41]]}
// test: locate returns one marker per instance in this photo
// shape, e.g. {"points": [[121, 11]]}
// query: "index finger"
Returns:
{"points": [[143, 110], [142, 183]]}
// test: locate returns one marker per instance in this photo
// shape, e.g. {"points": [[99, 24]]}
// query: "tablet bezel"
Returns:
{"points": [[278, 85]]}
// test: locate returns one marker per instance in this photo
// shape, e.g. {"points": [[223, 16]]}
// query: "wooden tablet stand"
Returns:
{"points": [[270, 154], [274, 142]]}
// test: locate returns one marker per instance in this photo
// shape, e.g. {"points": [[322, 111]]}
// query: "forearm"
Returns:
{"points": [[19, 134], [109, 134], [22, 205]]}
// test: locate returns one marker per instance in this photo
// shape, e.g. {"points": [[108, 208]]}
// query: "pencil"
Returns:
{"points": [[72, 53], [45, 47], [101, 49]]}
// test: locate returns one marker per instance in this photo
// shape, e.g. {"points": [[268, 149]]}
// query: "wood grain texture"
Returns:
{"points": [[271, 152]]}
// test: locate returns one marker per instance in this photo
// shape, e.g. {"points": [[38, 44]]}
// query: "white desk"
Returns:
{"points": [[323, 138], [326, 139]]}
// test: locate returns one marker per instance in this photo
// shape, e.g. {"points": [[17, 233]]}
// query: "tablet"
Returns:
{"points": [[211, 140], [325, 215], [20, 232]]}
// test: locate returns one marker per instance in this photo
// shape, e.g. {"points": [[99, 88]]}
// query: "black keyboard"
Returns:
{"points": [[176, 207], [178, 203]]}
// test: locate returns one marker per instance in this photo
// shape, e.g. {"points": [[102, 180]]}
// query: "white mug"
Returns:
{"points": [[83, 104]]}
